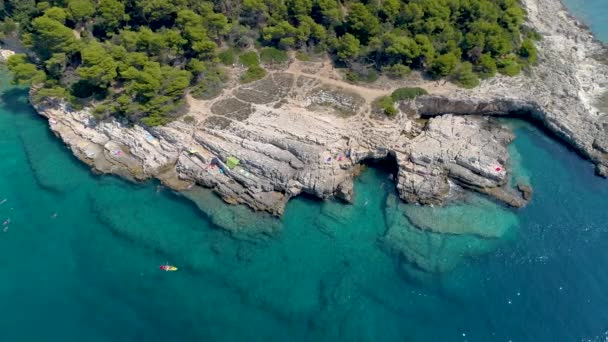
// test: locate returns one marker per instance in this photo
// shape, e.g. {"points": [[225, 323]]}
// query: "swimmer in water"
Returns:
{"points": [[365, 204], [7, 221], [54, 216]]}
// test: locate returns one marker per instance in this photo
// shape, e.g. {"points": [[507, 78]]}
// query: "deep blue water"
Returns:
{"points": [[357, 272]]}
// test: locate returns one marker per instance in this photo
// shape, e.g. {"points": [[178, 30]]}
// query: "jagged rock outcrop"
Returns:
{"points": [[470, 151], [5, 54], [296, 132], [285, 151]]}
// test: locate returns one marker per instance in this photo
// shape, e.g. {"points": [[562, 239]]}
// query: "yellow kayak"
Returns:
{"points": [[168, 268]]}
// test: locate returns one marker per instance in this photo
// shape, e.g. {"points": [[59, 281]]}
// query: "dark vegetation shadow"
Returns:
{"points": [[16, 100]]}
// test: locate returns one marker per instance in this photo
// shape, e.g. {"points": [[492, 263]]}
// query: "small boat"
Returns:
{"points": [[168, 268]]}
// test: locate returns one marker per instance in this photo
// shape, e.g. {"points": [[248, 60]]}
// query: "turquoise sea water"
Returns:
{"points": [[334, 272]]}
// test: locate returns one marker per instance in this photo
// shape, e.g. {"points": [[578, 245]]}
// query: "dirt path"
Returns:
{"points": [[324, 72], [328, 75], [369, 94]]}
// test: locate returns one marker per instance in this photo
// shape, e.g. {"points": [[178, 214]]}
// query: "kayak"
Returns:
{"points": [[168, 268]]}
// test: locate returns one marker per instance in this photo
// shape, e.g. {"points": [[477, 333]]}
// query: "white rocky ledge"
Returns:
{"points": [[302, 130]]}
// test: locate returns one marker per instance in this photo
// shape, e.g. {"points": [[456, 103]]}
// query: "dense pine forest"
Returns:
{"points": [[138, 58]]}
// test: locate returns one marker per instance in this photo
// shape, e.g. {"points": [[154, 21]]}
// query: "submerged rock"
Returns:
{"points": [[237, 219], [602, 170], [477, 216], [438, 239], [526, 191]]}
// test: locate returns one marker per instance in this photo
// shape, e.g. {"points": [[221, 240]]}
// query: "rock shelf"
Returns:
{"points": [[296, 131]]}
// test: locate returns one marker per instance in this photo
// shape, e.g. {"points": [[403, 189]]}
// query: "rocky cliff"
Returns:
{"points": [[302, 130], [562, 92]]}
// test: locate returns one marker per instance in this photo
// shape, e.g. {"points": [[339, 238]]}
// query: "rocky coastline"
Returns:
{"points": [[303, 130]]}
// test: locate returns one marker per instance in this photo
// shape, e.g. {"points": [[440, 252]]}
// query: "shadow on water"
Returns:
{"points": [[16, 100], [528, 118], [306, 197], [559, 150], [516, 119]]}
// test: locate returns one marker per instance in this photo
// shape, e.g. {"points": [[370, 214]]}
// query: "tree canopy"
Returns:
{"points": [[138, 58]]}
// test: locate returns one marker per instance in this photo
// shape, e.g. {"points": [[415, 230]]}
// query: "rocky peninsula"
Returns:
{"points": [[304, 130]]}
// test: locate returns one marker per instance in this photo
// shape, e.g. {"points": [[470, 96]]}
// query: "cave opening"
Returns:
{"points": [[387, 164]]}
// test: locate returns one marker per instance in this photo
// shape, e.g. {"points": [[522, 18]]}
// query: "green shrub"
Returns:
{"points": [[155, 120], [402, 94], [486, 67], [320, 48], [189, 119], [84, 89], [270, 55], [302, 56], [531, 33], [352, 77], [75, 103], [8, 26], [287, 42], [397, 71], [210, 82], [464, 76], [527, 52], [371, 75], [387, 105], [103, 111], [52, 92], [361, 74], [444, 65], [227, 57], [508, 66], [254, 73], [249, 59]]}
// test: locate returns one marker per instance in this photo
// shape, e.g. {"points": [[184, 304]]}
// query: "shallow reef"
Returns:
{"points": [[437, 239]]}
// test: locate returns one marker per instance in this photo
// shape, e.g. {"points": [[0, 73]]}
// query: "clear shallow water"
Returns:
{"points": [[335, 272]]}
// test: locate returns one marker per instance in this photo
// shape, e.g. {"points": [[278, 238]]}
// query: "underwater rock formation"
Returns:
{"points": [[436, 240]]}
